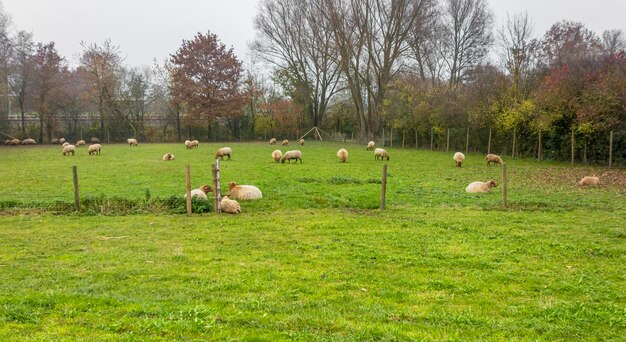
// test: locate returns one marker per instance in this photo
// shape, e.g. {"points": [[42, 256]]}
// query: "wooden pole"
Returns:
{"points": [[383, 189], [403, 133], [572, 146], [489, 142], [513, 152], [504, 185], [215, 168], [391, 142], [611, 149], [448, 141], [416, 138], [467, 141], [432, 133], [585, 152], [76, 193], [188, 188], [539, 148], [383, 136]]}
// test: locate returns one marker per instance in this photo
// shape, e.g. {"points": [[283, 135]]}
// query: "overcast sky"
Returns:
{"points": [[149, 29]]}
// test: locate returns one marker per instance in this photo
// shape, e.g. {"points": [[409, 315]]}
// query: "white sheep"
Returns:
{"points": [[168, 156], [481, 186], [229, 206], [589, 180], [285, 143], [29, 141], [15, 141], [273, 141], [370, 145], [201, 192], [132, 142], [380, 153], [94, 149], [195, 143], [65, 144], [188, 144], [301, 141], [224, 151], [62, 140], [7, 142], [67, 149], [243, 192], [343, 155], [276, 155], [459, 158], [493, 158], [94, 140], [289, 155], [80, 143]]}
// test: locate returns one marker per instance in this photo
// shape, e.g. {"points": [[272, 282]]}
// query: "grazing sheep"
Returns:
{"points": [[277, 154], [65, 144], [94, 149], [493, 158], [7, 142], [380, 153], [201, 192], [168, 156], [370, 145], [285, 143], [301, 141], [243, 192], [195, 143], [69, 149], [481, 187], [229, 206], [132, 142], [459, 158], [273, 141], [188, 144], [289, 155], [80, 143], [62, 140], [55, 141], [343, 155], [94, 140], [589, 180], [29, 141], [224, 151], [15, 142]]}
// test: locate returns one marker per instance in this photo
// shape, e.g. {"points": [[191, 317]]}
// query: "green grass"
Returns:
{"points": [[314, 259]]}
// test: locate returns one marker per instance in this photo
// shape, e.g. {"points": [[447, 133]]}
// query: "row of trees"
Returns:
{"points": [[352, 66]]}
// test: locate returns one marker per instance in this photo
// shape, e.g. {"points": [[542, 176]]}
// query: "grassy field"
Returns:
{"points": [[314, 259]]}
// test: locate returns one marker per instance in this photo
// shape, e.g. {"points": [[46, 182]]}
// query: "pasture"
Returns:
{"points": [[314, 259]]}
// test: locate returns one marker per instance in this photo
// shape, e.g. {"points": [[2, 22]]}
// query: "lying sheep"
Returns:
{"points": [[589, 180], [132, 142], [65, 144], [229, 206], [476, 187], [224, 151], [459, 158], [243, 192], [380, 153], [188, 144], [343, 155], [94, 140], [29, 141], [301, 141], [201, 192], [94, 149], [493, 158], [67, 149], [370, 145], [285, 143], [289, 155], [80, 143], [273, 141], [276, 155], [168, 156]]}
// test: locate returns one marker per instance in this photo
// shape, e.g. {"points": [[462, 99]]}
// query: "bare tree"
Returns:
{"points": [[515, 47], [47, 69], [6, 46], [614, 41], [425, 42], [467, 26]]}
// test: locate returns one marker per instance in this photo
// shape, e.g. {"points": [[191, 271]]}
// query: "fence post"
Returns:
{"points": [[513, 152], [572, 146], [448, 141], [76, 192], [539, 148], [391, 143], [215, 168], [383, 189], [383, 136], [611, 149], [416, 138], [489, 142], [188, 188], [432, 133], [504, 185], [403, 133], [467, 141]]}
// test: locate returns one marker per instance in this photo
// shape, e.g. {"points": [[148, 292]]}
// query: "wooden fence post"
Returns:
{"points": [[513, 152], [432, 133], [611, 149], [416, 138], [572, 146], [489, 142], [539, 148], [391, 143], [504, 185], [403, 133], [383, 136], [188, 188], [215, 168], [448, 141], [383, 189], [467, 141], [76, 192]]}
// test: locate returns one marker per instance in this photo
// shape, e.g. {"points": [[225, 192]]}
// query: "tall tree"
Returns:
{"points": [[516, 48], [161, 98], [567, 42], [614, 41], [205, 79], [6, 46], [48, 66], [21, 69]]}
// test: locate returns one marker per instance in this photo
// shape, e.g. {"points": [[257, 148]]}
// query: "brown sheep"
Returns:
{"points": [[493, 158]]}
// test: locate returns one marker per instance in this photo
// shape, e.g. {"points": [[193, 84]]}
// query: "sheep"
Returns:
{"points": [[168, 156], [94, 149], [224, 151], [370, 145], [301, 141], [589, 180], [69, 149], [55, 141], [131, 142], [476, 187], [15, 142], [289, 155], [195, 143], [65, 144], [273, 141], [380, 153], [493, 158], [201, 192], [29, 141], [62, 140], [277, 154], [343, 155], [80, 143], [243, 192], [229, 206], [188, 144], [285, 143], [7, 142], [459, 158], [94, 140]]}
